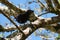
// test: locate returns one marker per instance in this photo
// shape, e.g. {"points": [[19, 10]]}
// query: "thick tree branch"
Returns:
{"points": [[57, 28], [11, 21], [42, 23], [11, 6], [46, 21]]}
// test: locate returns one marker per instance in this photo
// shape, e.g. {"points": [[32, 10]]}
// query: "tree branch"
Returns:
{"points": [[42, 23], [11, 6], [49, 4], [11, 21], [57, 5], [41, 4]]}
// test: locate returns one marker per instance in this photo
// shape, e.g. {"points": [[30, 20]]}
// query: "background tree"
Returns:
{"points": [[40, 8]]}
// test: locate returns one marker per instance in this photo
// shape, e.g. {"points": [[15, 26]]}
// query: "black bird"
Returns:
{"points": [[22, 18]]}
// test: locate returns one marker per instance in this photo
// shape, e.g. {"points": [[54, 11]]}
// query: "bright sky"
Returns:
{"points": [[4, 20]]}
